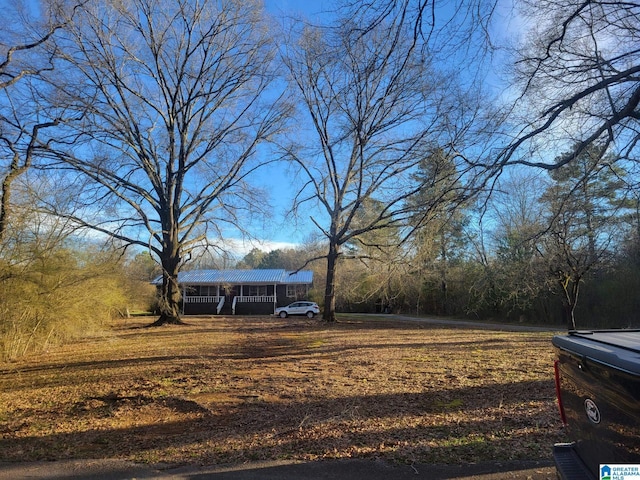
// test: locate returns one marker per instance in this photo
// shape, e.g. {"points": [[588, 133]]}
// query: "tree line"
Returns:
{"points": [[559, 249], [146, 122]]}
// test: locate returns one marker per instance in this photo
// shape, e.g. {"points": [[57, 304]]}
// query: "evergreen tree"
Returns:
{"points": [[586, 205]]}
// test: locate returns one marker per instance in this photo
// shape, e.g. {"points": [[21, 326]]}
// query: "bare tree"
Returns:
{"points": [[440, 219], [514, 275], [578, 73], [376, 108], [451, 28], [166, 103], [21, 60], [587, 207]]}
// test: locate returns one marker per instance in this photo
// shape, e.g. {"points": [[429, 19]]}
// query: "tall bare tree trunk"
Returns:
{"points": [[329, 313], [5, 194], [180, 101], [570, 290], [170, 295]]}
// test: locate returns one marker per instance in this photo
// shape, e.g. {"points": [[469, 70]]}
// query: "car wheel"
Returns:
{"points": [[283, 314], [310, 314]]}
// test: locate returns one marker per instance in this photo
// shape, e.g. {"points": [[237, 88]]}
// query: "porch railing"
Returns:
{"points": [[202, 299], [256, 299], [217, 298]]}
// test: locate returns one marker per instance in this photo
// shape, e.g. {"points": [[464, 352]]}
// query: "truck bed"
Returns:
{"points": [[617, 348], [599, 396]]}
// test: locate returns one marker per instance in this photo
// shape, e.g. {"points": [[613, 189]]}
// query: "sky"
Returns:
{"points": [[282, 231], [306, 7]]}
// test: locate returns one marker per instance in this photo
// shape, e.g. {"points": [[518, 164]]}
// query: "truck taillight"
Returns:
{"points": [[556, 368]]}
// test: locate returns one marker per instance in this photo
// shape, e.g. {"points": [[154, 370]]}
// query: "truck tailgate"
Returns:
{"points": [[600, 389]]}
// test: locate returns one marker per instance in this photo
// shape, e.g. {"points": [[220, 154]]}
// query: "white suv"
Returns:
{"points": [[310, 309]]}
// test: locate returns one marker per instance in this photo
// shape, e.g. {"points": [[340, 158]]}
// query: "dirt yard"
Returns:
{"points": [[230, 390]]}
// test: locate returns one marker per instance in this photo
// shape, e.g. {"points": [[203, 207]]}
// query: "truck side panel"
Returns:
{"points": [[602, 406]]}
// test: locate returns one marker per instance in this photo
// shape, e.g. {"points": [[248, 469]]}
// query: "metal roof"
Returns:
{"points": [[242, 277]]}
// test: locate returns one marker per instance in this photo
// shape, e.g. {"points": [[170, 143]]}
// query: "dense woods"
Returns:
{"points": [[548, 249], [133, 135]]}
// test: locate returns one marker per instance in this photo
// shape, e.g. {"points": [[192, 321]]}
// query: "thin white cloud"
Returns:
{"points": [[240, 247]]}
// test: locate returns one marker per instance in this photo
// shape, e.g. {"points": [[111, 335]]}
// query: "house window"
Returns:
{"points": [[206, 290], [257, 290], [296, 291]]}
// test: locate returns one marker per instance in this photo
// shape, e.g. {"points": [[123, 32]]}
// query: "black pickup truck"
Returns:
{"points": [[598, 388]]}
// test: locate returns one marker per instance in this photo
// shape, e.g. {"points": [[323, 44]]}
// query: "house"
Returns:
{"points": [[240, 292]]}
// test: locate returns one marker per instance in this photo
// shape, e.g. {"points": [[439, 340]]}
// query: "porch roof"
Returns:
{"points": [[242, 277]]}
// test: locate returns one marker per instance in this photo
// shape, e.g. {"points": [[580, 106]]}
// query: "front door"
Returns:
{"points": [[229, 291]]}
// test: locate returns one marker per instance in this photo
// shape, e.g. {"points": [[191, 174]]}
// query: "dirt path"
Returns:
{"points": [[470, 324]]}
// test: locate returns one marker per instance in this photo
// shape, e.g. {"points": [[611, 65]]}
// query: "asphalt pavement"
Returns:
{"points": [[105, 469], [453, 322]]}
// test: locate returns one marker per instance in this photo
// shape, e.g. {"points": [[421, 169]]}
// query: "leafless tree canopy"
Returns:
{"points": [[25, 53], [578, 73], [443, 27], [163, 106], [377, 106]]}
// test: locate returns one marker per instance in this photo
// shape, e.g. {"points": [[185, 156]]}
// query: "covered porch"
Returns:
{"points": [[241, 292]]}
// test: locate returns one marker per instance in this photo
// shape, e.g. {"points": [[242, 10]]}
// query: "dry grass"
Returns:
{"points": [[227, 390]]}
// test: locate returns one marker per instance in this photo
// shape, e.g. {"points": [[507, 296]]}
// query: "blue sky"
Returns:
{"points": [[306, 7], [283, 231]]}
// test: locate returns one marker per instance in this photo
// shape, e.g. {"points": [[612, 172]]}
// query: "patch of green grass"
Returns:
{"points": [[453, 404]]}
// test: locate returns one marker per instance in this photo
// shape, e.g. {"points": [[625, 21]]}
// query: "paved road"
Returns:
{"points": [[507, 327], [325, 470]]}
